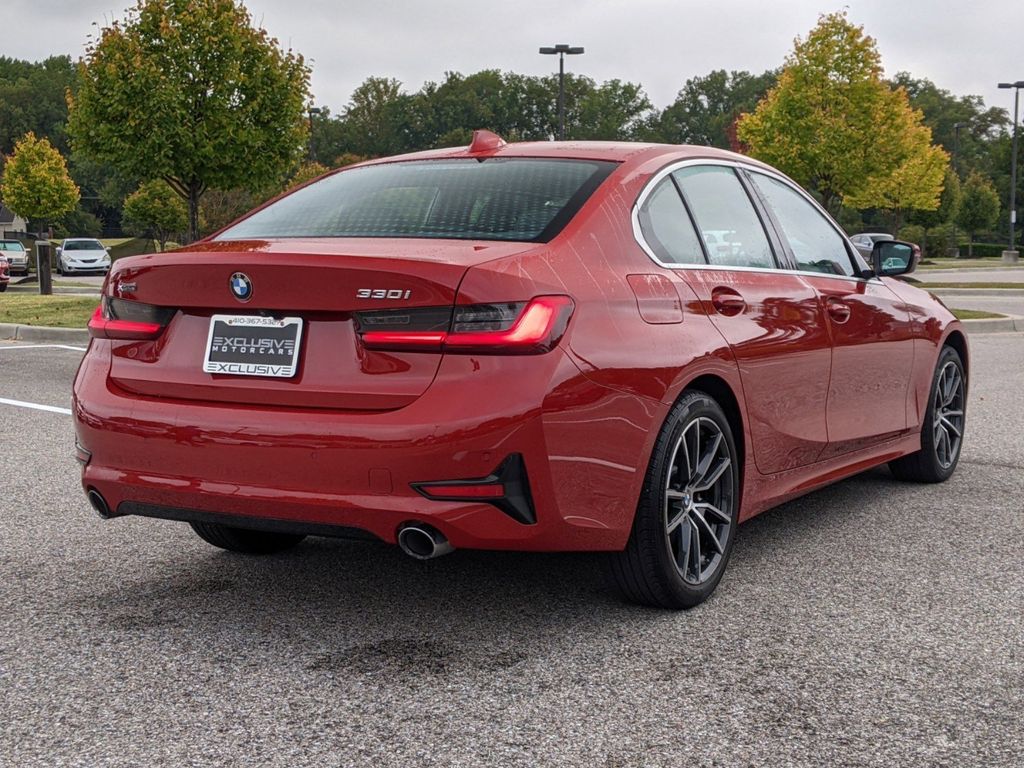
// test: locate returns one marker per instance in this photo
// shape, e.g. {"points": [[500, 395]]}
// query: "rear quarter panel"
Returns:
{"points": [[602, 428]]}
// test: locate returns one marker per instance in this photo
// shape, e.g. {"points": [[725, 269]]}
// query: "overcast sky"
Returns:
{"points": [[964, 46]]}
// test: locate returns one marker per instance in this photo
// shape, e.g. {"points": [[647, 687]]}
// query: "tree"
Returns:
{"points": [[916, 183], [36, 183], [943, 112], [979, 207], [832, 123], [306, 172], [707, 107], [612, 111], [189, 91], [370, 119], [32, 98], [156, 212], [79, 223]]}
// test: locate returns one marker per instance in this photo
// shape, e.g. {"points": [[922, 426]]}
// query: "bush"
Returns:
{"points": [[78, 223], [984, 250], [940, 242], [914, 233]]}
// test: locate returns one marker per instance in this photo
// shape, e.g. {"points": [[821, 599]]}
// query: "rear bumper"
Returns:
{"points": [[297, 468]]}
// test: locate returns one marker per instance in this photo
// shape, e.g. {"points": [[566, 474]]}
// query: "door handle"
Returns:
{"points": [[727, 302], [839, 311]]}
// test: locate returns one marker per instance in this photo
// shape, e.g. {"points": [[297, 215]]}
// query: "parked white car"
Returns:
{"points": [[16, 255], [82, 254]]}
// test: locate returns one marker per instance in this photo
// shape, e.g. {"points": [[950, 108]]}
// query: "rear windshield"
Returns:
{"points": [[83, 245], [496, 199]]}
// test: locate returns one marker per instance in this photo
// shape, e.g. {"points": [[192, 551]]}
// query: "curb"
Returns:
{"points": [[994, 324], [12, 332], [973, 291]]}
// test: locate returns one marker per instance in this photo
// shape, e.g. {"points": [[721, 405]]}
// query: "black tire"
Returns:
{"points": [[928, 465], [648, 571], [3, 287], [245, 540]]}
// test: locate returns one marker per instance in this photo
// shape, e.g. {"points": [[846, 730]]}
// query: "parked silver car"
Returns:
{"points": [[16, 255], [865, 241], [82, 254]]}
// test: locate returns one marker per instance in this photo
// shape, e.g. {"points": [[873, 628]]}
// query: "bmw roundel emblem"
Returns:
{"points": [[241, 286]]}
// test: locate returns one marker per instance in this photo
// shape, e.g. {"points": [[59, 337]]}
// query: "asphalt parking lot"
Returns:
{"points": [[872, 623]]}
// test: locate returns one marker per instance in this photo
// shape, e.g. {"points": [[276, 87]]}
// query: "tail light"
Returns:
{"points": [[523, 328], [128, 320]]}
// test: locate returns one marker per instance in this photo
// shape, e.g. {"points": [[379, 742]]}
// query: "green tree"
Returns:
{"points": [[612, 111], [707, 107], [942, 111], [979, 207], [155, 211], [916, 183], [79, 223], [189, 91], [32, 98], [371, 123], [832, 123], [36, 183]]}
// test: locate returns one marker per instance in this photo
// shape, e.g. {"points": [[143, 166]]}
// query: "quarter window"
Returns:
{"points": [[816, 244], [732, 232], [667, 227]]}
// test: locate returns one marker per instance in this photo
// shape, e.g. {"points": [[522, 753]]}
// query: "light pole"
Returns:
{"points": [[953, 247], [562, 50], [313, 112], [1011, 255]]}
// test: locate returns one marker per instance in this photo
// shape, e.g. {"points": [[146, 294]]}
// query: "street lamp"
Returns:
{"points": [[562, 50], [953, 247], [956, 146], [313, 112], [1011, 255]]}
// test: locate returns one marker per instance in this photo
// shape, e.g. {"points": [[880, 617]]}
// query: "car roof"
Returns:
{"points": [[82, 240], [631, 152]]}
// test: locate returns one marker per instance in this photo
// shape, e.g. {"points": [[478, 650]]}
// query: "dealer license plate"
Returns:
{"points": [[250, 345]]}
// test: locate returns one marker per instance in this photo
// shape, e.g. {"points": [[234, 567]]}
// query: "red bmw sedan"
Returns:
{"points": [[612, 347]]}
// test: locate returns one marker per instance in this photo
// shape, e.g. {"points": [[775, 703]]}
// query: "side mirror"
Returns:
{"points": [[58, 250], [890, 258]]}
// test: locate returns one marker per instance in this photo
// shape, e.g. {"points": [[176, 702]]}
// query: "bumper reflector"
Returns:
{"points": [[507, 488]]}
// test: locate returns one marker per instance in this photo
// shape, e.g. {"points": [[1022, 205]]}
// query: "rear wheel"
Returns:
{"points": [[245, 540], [686, 519], [942, 434]]}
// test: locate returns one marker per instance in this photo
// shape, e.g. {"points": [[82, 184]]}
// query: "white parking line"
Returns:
{"points": [[35, 406], [43, 346]]}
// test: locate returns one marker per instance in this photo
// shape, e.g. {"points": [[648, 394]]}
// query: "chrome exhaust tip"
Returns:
{"points": [[99, 504], [421, 542]]}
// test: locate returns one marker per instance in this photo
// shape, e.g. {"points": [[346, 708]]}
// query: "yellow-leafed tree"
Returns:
{"points": [[36, 183], [835, 126]]}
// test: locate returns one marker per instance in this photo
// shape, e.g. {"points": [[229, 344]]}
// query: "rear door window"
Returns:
{"points": [[730, 227]]}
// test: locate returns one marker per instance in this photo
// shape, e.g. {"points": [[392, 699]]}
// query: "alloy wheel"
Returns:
{"points": [[948, 414], [699, 500]]}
